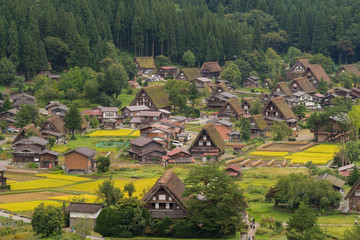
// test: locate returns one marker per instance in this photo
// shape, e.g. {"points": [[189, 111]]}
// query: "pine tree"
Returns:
{"points": [[3, 37], [304, 40], [73, 120], [13, 44], [256, 40]]}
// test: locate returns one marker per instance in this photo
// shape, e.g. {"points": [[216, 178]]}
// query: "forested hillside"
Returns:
{"points": [[77, 33]]}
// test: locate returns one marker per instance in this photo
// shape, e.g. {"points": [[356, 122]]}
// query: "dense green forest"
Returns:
{"points": [[82, 33]]}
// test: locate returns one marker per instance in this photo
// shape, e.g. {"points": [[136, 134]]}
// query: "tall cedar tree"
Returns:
{"points": [[73, 120]]}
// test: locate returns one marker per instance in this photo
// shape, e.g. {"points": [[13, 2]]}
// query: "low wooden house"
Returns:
{"points": [[248, 103], [219, 97], [303, 98], [318, 97], [83, 211], [146, 65], [154, 97], [331, 130], [355, 93], [48, 159], [133, 111], [277, 110], [346, 170], [2, 178], [223, 127], [158, 133], [352, 199], [268, 83], [337, 183], [188, 74], [177, 156], [316, 73], [226, 82], [265, 97], [109, 124], [298, 69], [146, 150], [54, 126], [58, 111], [22, 98], [80, 160], [232, 108], [351, 68], [258, 126], [282, 89], [202, 82], [145, 118], [208, 144], [9, 116], [165, 198], [167, 71], [233, 171], [211, 70], [302, 84], [251, 82]]}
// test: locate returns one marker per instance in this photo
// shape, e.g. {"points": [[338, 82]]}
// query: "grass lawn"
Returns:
{"points": [[193, 127], [260, 209], [146, 238], [125, 98]]}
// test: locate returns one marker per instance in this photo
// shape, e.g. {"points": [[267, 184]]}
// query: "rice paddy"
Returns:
{"points": [[27, 206], [115, 133], [38, 184], [269, 154]]}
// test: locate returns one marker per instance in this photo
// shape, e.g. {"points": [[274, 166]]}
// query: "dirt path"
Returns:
{"points": [[14, 216]]}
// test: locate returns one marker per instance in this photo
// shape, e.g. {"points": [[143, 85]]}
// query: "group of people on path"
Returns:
{"points": [[251, 227]]}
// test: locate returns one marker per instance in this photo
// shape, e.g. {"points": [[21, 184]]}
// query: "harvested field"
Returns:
{"points": [[21, 197], [37, 184], [26, 206], [282, 146]]}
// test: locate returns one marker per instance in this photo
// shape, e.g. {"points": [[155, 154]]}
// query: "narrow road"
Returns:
{"points": [[14, 217]]}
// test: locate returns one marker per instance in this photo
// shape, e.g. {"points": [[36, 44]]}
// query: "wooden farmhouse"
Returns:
{"points": [[177, 156], [298, 69], [333, 93], [145, 118], [146, 150], [352, 199], [315, 73], [165, 198], [9, 116], [303, 98], [268, 83], [220, 96], [355, 93], [146, 65], [233, 171], [2, 178], [133, 111], [154, 97], [207, 143], [232, 108], [331, 130], [277, 110], [337, 183], [83, 211], [247, 104], [54, 126], [188, 74], [282, 89], [159, 133], [265, 97], [202, 82], [80, 160], [223, 127], [33, 150], [167, 71], [251, 82], [56, 109], [258, 126], [352, 68], [302, 84], [226, 82], [22, 98], [211, 70]]}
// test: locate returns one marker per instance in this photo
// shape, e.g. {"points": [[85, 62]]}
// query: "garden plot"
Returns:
{"points": [[283, 146], [320, 154]]}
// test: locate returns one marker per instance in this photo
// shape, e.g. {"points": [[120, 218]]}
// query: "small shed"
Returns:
{"points": [[233, 171], [2, 178], [87, 211]]}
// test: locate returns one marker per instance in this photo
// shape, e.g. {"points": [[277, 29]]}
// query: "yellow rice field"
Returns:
{"points": [[26, 206], [68, 198], [115, 133], [140, 185], [319, 154], [63, 177], [37, 184], [60, 148], [269, 154]]}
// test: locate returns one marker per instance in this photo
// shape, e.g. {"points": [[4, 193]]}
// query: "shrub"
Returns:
{"points": [[184, 229], [162, 228], [31, 165], [57, 168], [2, 137]]}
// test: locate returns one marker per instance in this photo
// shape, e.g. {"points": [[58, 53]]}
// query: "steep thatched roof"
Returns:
{"points": [[260, 122], [158, 96], [284, 88], [305, 84], [191, 73], [214, 136], [145, 62], [210, 67], [235, 105], [250, 101], [283, 107], [318, 71], [351, 68]]}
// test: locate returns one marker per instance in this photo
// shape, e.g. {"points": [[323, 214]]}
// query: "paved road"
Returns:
{"points": [[14, 217]]}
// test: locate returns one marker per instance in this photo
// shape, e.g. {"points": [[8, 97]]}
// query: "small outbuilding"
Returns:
{"points": [[233, 171], [80, 160], [87, 211]]}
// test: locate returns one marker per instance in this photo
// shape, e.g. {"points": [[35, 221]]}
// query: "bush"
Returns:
{"points": [[31, 165], [184, 229], [2, 137], [162, 229], [57, 168]]}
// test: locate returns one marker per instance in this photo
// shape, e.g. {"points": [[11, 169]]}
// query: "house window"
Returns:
{"points": [[271, 108], [167, 206], [155, 118], [278, 89], [149, 104], [154, 198], [162, 197], [57, 113], [204, 137], [357, 193], [276, 113], [170, 198], [156, 205], [143, 94], [267, 113], [209, 143]]}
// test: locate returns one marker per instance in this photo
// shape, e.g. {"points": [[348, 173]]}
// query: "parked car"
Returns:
{"points": [[176, 143], [13, 130]]}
